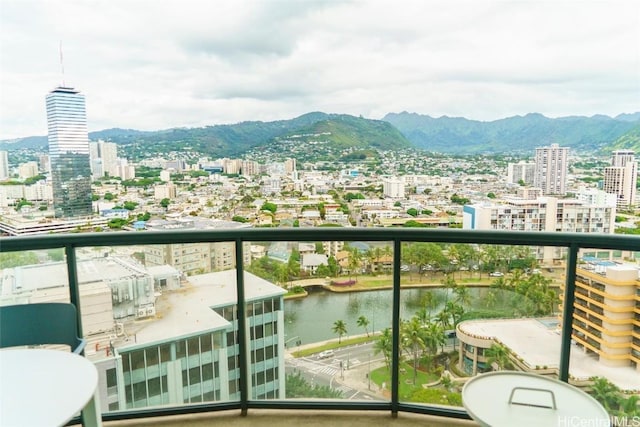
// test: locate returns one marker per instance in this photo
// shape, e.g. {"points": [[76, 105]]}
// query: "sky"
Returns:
{"points": [[160, 64]]}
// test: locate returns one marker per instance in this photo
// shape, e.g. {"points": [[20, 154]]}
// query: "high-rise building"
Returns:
{"points": [[4, 166], [605, 312], [521, 171], [393, 187], [551, 169], [620, 178], [548, 214], [104, 159], [69, 153]]}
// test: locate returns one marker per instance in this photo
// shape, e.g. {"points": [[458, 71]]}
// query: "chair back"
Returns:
{"points": [[40, 323]]}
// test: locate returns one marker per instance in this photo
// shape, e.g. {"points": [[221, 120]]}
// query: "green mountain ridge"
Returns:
{"points": [[598, 134], [344, 131], [512, 134]]}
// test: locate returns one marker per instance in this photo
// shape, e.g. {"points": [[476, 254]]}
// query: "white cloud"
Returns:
{"points": [[162, 64]]}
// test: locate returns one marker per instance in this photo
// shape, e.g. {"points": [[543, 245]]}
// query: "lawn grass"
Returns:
{"points": [[383, 375]]}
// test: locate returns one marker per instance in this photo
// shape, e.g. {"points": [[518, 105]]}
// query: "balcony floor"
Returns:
{"points": [[293, 418]]}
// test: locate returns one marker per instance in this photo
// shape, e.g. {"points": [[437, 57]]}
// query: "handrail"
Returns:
{"points": [[573, 241]]}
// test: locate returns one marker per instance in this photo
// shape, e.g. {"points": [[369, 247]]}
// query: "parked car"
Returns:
{"points": [[496, 274]]}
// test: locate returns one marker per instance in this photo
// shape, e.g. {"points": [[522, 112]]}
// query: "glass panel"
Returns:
{"points": [[466, 309], [605, 349], [162, 322], [328, 326]]}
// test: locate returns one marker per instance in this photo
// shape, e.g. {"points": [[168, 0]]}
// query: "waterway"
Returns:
{"points": [[311, 319]]}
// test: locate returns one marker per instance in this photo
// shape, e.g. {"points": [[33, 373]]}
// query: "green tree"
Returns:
{"points": [[607, 393], [340, 328], [354, 261], [498, 354], [412, 211], [268, 206], [412, 342], [130, 205], [238, 218], [297, 386], [363, 322], [16, 259], [56, 254], [109, 196], [384, 345], [491, 195], [165, 203]]}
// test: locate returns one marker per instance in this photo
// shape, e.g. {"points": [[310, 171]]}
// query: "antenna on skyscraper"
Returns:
{"points": [[61, 64]]}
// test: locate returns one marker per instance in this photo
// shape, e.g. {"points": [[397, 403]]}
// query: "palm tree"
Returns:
{"points": [[340, 328], [606, 393], [433, 337], [383, 345], [463, 297], [354, 261], [412, 342], [363, 322], [498, 354]]}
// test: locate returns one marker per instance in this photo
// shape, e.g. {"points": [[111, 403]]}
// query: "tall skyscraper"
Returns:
{"points": [[551, 169], [4, 165], [620, 178], [69, 153]]}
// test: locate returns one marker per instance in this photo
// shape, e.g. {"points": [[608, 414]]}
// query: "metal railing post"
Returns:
{"points": [[567, 312], [395, 316], [243, 350], [74, 289]]}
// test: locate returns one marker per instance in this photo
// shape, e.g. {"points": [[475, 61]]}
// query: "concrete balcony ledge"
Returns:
{"points": [[295, 418]]}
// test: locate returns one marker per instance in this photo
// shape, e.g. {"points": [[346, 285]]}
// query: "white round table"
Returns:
{"points": [[523, 399], [46, 388]]}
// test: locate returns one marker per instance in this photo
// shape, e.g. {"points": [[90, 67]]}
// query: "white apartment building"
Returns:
{"points": [[164, 191], [104, 159], [4, 165], [37, 192], [528, 192], [28, 169], [551, 169], [250, 168], [543, 214], [393, 187], [620, 178], [521, 171], [195, 258], [593, 196], [290, 165]]}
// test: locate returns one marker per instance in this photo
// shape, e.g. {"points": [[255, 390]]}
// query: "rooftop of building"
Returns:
{"points": [[537, 342], [193, 222], [30, 277], [189, 310]]}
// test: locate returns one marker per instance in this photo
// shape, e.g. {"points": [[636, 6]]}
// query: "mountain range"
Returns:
{"points": [[598, 134]]}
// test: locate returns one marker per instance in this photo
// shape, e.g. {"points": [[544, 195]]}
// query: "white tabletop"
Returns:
{"points": [[43, 387], [487, 399]]}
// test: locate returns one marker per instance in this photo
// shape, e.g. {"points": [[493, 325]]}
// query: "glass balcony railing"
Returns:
{"points": [[329, 318]]}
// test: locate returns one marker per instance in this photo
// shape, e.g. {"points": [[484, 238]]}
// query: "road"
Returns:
{"points": [[347, 370]]}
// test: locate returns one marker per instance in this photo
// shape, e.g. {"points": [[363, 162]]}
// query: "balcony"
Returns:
{"points": [[240, 382]]}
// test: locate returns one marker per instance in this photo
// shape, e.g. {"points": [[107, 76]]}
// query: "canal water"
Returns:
{"points": [[311, 319]]}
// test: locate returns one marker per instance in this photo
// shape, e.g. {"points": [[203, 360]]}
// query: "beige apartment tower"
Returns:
{"points": [[606, 317], [551, 169], [620, 178]]}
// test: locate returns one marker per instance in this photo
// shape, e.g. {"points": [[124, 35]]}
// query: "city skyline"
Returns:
{"points": [[268, 61]]}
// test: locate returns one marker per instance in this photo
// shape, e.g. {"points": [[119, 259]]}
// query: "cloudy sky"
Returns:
{"points": [[159, 64]]}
